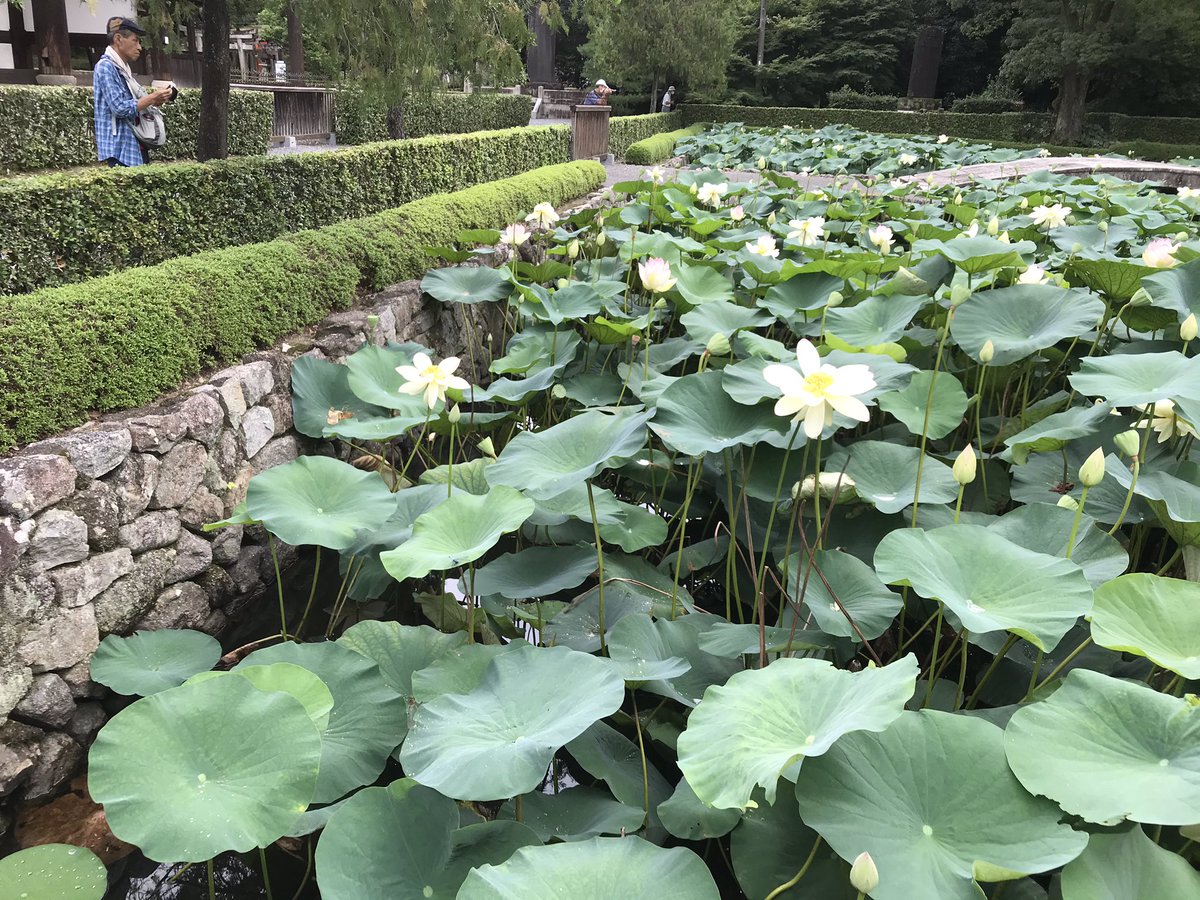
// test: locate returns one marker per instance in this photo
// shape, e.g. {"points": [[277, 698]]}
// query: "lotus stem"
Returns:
{"points": [[518, 808], [937, 364], [1062, 665], [760, 581], [637, 723], [960, 694], [937, 640], [991, 670], [1170, 562], [307, 870], [1075, 524], [795, 879], [278, 586], [600, 566], [312, 593], [413, 455], [212, 887], [266, 873], [681, 528]]}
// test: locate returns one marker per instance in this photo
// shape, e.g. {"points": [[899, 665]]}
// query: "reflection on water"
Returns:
{"points": [[234, 878]]}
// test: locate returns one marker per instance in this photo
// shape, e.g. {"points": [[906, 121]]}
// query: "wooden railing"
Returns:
{"points": [[589, 132], [299, 111]]}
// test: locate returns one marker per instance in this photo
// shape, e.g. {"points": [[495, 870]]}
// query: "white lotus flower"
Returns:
{"points": [[432, 379], [1165, 421], [908, 159], [1048, 217], [1189, 329], [764, 246], [818, 390], [831, 484], [943, 139], [1033, 275], [807, 232], [1160, 253], [738, 213], [543, 216], [656, 275], [971, 232], [1187, 193], [1044, 153], [656, 175], [712, 194], [882, 237], [514, 235]]}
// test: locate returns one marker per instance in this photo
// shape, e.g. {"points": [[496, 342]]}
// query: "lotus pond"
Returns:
{"points": [[837, 149], [803, 544]]}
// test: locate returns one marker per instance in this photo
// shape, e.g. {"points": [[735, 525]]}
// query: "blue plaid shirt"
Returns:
{"points": [[112, 97]]}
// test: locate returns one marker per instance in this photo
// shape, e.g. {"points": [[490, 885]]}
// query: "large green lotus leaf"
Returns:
{"points": [[376, 428], [933, 802], [302, 684], [769, 846], [636, 529], [1119, 279], [470, 477], [573, 503], [978, 254], [578, 626], [458, 532], [458, 671], [763, 723], [318, 500], [534, 349], [592, 390], [577, 300], [696, 416], [701, 284], [1054, 431], [1091, 239], [1176, 485], [729, 640], [152, 661], [403, 842], [1158, 618], [877, 320], [639, 643], [466, 284], [858, 590], [202, 769], [1023, 319], [607, 755], [546, 463], [497, 741], [989, 582], [367, 720], [911, 405], [1040, 481], [686, 817], [374, 379], [722, 318], [575, 815], [1129, 866], [1046, 528], [598, 869], [400, 650], [535, 572], [1135, 379], [411, 504], [1108, 750], [319, 388], [515, 391], [886, 475], [53, 872], [801, 293], [1177, 289]]}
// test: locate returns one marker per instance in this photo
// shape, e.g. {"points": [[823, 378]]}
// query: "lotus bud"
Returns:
{"points": [[660, 303], [561, 283], [694, 189], [372, 321], [1004, 238], [1103, 226], [959, 295], [1181, 236], [455, 414], [1187, 331], [1024, 203], [835, 300], [993, 226], [1076, 248], [864, 875], [1066, 501], [1091, 473], [762, 162], [487, 448], [940, 334], [1129, 443], [770, 220], [958, 199], [601, 238], [987, 352], [558, 392], [1141, 297], [718, 345], [573, 249], [965, 466]]}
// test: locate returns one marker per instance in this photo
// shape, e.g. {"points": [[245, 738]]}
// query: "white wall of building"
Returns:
{"points": [[6, 56], [81, 20]]}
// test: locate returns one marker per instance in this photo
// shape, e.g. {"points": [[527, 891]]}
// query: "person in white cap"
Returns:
{"points": [[598, 96]]}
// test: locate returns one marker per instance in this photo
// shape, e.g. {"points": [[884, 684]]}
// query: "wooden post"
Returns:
{"points": [[589, 132], [52, 40], [295, 30]]}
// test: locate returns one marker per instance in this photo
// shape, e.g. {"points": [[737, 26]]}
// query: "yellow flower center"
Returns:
{"points": [[432, 373], [818, 383]]}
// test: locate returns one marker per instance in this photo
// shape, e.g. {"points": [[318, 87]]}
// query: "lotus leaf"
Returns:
{"points": [[1021, 320], [857, 589], [1158, 618], [53, 872], [886, 475], [696, 416], [288, 679], [575, 815], [912, 405], [466, 284], [151, 661], [1128, 866]]}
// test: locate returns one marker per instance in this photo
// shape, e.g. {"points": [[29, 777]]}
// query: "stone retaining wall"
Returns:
{"points": [[101, 532]]}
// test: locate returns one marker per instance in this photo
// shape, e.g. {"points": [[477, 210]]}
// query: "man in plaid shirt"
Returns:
{"points": [[116, 106]]}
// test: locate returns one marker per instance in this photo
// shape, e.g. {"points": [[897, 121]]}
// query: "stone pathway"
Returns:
{"points": [[1128, 169]]}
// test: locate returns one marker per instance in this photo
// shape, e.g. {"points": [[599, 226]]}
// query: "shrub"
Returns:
{"points": [[631, 104], [70, 226], [51, 127], [846, 97], [123, 340], [361, 118], [1150, 150], [981, 104], [627, 130], [659, 147]]}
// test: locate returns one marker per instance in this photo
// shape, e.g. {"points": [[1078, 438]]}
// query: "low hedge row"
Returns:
{"points": [[1028, 127], [626, 130], [123, 340], [361, 118], [51, 127], [659, 147], [62, 228]]}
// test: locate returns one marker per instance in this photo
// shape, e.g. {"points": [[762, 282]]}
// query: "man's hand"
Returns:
{"points": [[155, 98]]}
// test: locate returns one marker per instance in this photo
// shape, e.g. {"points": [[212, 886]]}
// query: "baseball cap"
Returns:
{"points": [[120, 23]]}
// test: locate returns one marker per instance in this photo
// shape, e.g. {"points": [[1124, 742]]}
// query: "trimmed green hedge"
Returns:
{"points": [[626, 130], [1026, 127], [51, 127], [71, 226], [361, 118], [659, 147], [123, 340]]}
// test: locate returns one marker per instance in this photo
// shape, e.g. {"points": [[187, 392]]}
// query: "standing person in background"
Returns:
{"points": [[668, 100], [117, 104], [598, 96]]}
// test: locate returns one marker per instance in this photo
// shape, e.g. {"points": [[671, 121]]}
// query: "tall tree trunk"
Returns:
{"points": [[654, 95], [212, 142], [1072, 107], [295, 32], [52, 41], [762, 31]]}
